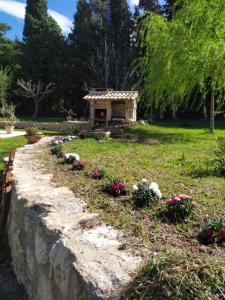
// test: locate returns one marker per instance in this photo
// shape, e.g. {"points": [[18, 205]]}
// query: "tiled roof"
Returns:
{"points": [[112, 95]]}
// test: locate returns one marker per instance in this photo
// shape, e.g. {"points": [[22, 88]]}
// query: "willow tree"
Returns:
{"points": [[183, 54]]}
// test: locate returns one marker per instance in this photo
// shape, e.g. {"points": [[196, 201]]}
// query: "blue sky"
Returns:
{"points": [[12, 13]]}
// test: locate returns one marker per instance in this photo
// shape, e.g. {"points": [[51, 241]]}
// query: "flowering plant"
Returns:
{"points": [[180, 206], [32, 131], [146, 193], [57, 150], [70, 158], [79, 166], [116, 188], [216, 231], [62, 139], [97, 174]]}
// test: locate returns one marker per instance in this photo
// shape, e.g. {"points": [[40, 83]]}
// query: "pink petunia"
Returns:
{"points": [[169, 201], [184, 197]]}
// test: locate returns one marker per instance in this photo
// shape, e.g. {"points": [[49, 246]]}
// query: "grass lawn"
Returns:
{"points": [[9, 144], [176, 156]]}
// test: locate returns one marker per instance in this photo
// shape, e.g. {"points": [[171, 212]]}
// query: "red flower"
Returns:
{"points": [[210, 233], [222, 232]]}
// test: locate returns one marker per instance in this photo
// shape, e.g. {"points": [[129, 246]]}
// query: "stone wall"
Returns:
{"points": [[61, 127], [61, 251]]}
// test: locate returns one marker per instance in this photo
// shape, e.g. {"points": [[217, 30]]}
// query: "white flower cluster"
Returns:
{"points": [[62, 139], [72, 156], [153, 186]]}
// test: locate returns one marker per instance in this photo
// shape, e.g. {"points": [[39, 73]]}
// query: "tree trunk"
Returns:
{"points": [[212, 112], [35, 109]]}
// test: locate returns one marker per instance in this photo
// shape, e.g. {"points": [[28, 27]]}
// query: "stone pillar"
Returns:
{"points": [[109, 112], [92, 113]]}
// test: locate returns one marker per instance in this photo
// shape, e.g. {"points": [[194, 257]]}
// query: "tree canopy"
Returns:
{"points": [[184, 54]]}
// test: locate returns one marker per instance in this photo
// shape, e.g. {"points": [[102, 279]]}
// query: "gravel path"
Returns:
{"points": [[9, 288]]}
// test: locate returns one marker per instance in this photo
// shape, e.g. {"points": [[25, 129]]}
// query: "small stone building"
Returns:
{"points": [[112, 107]]}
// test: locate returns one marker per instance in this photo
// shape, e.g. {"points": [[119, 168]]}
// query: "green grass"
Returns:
{"points": [[177, 156], [9, 144]]}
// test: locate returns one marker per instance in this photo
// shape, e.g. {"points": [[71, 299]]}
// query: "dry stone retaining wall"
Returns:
{"points": [[61, 127], [55, 255]]}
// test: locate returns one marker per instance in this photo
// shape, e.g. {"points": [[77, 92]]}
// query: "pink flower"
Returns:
{"points": [[182, 206], [184, 197], [176, 199], [95, 172], [62, 152], [169, 201], [222, 231]]}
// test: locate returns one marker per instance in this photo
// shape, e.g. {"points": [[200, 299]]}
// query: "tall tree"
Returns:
{"points": [[184, 54], [169, 8], [43, 47], [150, 5], [120, 39]]}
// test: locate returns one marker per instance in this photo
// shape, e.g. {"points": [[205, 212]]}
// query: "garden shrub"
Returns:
{"points": [[70, 158], [215, 231], [79, 166], [180, 207], [115, 188], [145, 193], [98, 174], [57, 150]]}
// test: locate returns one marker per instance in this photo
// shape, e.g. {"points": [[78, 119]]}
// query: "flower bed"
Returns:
{"points": [[147, 221]]}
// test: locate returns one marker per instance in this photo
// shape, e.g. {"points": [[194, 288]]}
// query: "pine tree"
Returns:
{"points": [[169, 8], [35, 17], [121, 29], [150, 5], [43, 46], [41, 41]]}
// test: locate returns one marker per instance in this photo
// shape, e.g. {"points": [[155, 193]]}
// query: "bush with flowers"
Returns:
{"points": [[180, 206], [215, 231], [70, 158], [62, 139], [57, 150], [97, 174], [79, 166], [115, 188], [146, 193]]}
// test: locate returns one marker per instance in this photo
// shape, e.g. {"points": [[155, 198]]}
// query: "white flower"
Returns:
{"points": [[154, 185], [67, 155], [74, 156], [135, 187], [159, 194], [144, 180], [155, 188]]}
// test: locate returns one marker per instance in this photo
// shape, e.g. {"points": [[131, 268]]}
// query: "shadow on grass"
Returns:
{"points": [[145, 135], [190, 124]]}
